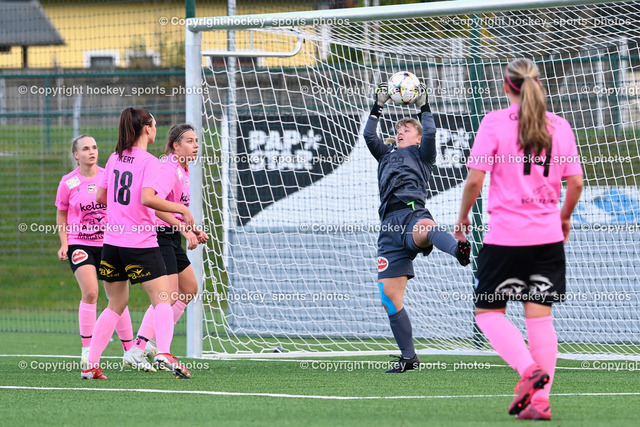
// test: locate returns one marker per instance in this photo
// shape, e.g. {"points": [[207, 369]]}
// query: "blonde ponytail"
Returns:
{"points": [[522, 77]]}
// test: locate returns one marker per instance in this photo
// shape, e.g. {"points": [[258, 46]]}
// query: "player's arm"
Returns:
{"points": [[574, 189], [428, 142], [101, 196], [61, 222], [374, 143], [176, 224], [472, 188], [150, 200]]}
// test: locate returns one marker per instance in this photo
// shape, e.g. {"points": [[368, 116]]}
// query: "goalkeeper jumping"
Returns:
{"points": [[407, 227]]}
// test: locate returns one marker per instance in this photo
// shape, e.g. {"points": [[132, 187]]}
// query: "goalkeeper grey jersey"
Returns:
{"points": [[403, 173]]}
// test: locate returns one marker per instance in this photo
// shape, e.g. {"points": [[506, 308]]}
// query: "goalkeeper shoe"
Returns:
{"points": [[463, 253], [533, 413], [134, 357], [403, 364], [170, 362], [530, 383], [93, 374]]}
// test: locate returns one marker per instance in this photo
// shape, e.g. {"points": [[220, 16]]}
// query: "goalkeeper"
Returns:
{"points": [[407, 227]]}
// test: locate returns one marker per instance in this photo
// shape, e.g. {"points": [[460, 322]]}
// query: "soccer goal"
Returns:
{"points": [[288, 189]]}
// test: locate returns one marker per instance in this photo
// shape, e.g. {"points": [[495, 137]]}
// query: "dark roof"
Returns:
{"points": [[25, 23]]}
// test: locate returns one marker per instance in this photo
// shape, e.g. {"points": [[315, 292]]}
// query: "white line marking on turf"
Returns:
{"points": [[296, 396], [337, 361]]}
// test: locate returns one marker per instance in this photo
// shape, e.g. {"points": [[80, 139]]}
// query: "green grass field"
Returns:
{"points": [[283, 392]]}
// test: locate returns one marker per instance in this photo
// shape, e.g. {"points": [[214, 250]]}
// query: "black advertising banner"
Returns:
{"points": [[279, 155]]}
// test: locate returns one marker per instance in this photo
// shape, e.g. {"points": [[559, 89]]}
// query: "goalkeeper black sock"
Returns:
{"points": [[401, 328], [442, 240]]}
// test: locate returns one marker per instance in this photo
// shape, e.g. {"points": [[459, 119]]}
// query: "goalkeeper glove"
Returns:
{"points": [[421, 101], [380, 97]]}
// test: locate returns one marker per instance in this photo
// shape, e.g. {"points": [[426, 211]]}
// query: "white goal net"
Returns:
{"points": [[290, 191]]}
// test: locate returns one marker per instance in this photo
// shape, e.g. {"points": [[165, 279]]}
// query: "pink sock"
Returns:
{"points": [[164, 327], [102, 333], [178, 308], [543, 344], [147, 328], [87, 321], [125, 330], [506, 340]]}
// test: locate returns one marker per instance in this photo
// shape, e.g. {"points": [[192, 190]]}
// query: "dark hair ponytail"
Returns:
{"points": [[132, 122], [175, 134]]}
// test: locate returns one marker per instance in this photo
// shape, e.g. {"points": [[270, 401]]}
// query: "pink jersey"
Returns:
{"points": [[178, 180], [86, 218], [131, 224], [523, 196]]}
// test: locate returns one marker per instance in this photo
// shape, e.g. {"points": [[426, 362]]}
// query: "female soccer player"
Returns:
{"points": [[81, 223], [132, 188], [527, 151], [407, 227], [182, 147]]}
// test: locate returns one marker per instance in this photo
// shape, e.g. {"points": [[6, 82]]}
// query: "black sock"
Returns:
{"points": [[401, 328]]}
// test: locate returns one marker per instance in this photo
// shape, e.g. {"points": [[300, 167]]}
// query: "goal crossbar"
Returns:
{"points": [[372, 13]]}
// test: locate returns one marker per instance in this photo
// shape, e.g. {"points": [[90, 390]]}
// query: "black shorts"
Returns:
{"points": [[136, 264], [396, 248], [520, 273], [175, 258], [80, 255]]}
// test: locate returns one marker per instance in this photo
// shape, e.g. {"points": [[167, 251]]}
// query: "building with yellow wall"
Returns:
{"points": [[133, 34]]}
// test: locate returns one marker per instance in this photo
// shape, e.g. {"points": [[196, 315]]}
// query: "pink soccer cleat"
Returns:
{"points": [[527, 387]]}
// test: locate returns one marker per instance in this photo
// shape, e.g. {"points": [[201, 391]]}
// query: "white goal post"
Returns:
{"points": [[287, 190]]}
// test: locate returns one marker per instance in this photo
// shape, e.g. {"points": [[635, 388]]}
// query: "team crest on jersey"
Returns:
{"points": [[179, 174], [72, 182], [78, 256], [91, 188], [383, 264]]}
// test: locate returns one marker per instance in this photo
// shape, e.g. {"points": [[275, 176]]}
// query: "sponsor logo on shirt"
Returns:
{"points": [[91, 188], [94, 206], [107, 270], [135, 271], [78, 256], [383, 263], [72, 182]]}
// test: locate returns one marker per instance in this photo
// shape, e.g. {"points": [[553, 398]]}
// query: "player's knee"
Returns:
{"points": [[424, 226], [90, 296], [386, 301]]}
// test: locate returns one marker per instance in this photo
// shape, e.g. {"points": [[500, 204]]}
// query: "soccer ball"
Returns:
{"points": [[404, 87]]}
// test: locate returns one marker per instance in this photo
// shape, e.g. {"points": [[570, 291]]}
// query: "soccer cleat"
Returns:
{"points": [[84, 358], [150, 352], [404, 364], [463, 253], [134, 357], [170, 362], [93, 374], [526, 388], [531, 413]]}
